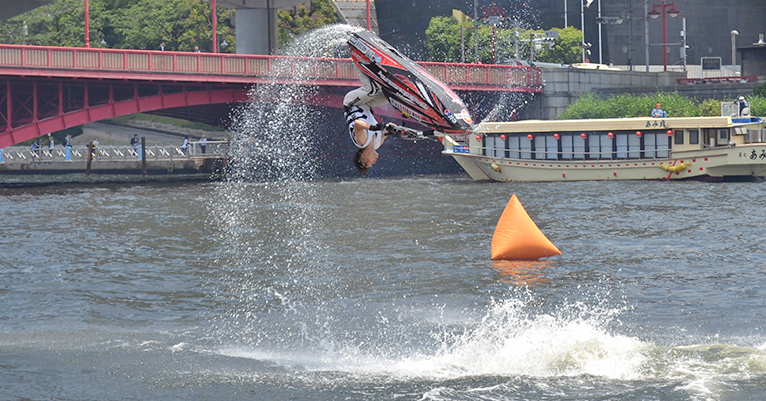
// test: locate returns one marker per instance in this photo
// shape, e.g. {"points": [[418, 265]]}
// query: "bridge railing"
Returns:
{"points": [[19, 154], [84, 62]]}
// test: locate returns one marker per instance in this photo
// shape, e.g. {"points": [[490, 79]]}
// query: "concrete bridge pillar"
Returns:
{"points": [[256, 31], [255, 22]]}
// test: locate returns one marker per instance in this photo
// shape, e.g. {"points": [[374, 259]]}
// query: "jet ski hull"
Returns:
{"points": [[408, 87]]}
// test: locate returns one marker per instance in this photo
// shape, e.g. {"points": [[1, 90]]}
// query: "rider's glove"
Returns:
{"points": [[393, 129], [377, 127]]}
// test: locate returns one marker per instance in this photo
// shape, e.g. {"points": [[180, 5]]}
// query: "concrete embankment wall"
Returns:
{"points": [[112, 167], [564, 86]]}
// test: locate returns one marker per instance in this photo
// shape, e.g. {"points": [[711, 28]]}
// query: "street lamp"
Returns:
{"points": [[734, 34], [493, 15], [462, 41], [214, 12], [656, 13], [87, 23]]}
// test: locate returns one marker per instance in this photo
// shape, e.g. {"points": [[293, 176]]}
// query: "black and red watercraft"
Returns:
{"points": [[408, 87]]}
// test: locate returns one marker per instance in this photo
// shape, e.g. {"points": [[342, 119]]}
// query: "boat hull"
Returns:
{"points": [[745, 162], [642, 148]]}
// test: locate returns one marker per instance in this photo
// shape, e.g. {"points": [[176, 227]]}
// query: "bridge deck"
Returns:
{"points": [[72, 62]]}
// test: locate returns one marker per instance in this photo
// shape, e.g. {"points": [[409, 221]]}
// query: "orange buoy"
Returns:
{"points": [[517, 237]]}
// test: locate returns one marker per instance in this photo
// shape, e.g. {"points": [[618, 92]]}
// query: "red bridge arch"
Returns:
{"points": [[46, 89]]}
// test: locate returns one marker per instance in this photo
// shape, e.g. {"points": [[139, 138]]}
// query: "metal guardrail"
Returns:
{"points": [[18, 154]]}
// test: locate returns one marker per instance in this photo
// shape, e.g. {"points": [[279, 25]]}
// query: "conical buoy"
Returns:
{"points": [[517, 236]]}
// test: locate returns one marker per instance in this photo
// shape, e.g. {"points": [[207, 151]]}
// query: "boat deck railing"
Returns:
{"points": [[19, 154]]}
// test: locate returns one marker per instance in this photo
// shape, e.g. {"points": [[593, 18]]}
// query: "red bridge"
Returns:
{"points": [[46, 89]]}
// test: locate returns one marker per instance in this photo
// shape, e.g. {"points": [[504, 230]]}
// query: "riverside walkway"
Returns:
{"points": [[115, 159]]}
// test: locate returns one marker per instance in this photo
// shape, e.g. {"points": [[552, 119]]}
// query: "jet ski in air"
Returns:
{"points": [[409, 88]]}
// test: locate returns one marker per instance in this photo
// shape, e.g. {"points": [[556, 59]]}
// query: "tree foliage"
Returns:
{"points": [[760, 90], [447, 40], [568, 49], [143, 24], [123, 24], [61, 23], [302, 19], [623, 106]]}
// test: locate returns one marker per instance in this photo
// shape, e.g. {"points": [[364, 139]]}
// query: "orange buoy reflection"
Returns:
{"points": [[522, 272]]}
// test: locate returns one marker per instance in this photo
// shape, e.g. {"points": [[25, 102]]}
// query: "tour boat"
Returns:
{"points": [[725, 148]]}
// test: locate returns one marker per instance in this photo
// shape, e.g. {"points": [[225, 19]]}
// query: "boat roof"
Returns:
{"points": [[616, 124]]}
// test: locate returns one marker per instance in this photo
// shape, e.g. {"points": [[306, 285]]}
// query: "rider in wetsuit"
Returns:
{"points": [[366, 131]]}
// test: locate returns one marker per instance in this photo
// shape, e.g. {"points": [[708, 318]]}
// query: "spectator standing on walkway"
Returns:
{"points": [[134, 142], [162, 46], [196, 49], [68, 147], [658, 112], [185, 146], [95, 147], [203, 143], [51, 142]]}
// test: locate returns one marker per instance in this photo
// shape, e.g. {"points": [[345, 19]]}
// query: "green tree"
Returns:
{"points": [[181, 24], [567, 49], [61, 23], [446, 43], [591, 105], [125, 24], [443, 41], [758, 105], [760, 90], [302, 19], [710, 108]]}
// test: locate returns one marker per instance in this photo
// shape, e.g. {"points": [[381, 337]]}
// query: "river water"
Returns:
{"points": [[380, 289]]}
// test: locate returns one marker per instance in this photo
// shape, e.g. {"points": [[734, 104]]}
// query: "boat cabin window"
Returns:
{"points": [[525, 148], [694, 137], [678, 137], [622, 146], [581, 145], [723, 135], [540, 147], [496, 146], [600, 146], [656, 145], [708, 137], [514, 147]]}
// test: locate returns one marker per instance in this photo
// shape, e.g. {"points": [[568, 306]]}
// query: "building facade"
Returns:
{"points": [[623, 38]]}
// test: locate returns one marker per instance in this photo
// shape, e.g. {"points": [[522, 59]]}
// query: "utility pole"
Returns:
{"points": [[683, 45], [630, 36], [215, 27], [646, 32], [582, 27], [87, 24], [476, 29], [600, 54]]}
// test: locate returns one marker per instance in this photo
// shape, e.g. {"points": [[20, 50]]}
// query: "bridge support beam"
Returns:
{"points": [[256, 31]]}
